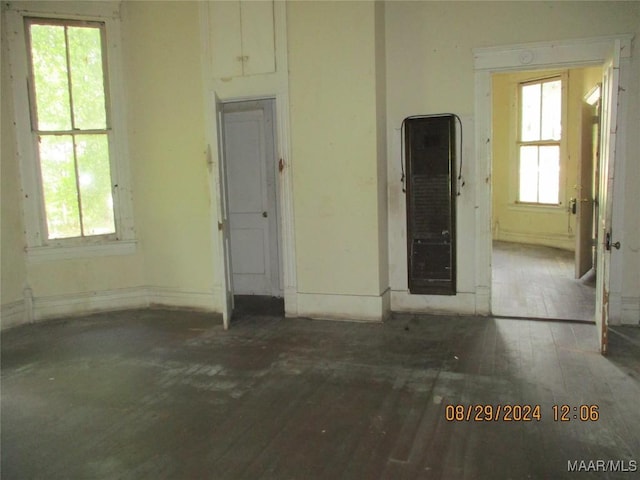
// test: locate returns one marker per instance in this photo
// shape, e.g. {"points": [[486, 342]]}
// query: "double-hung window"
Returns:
{"points": [[540, 136], [70, 119], [70, 130]]}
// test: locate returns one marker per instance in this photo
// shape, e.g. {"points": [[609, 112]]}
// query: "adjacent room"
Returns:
{"points": [[543, 205], [320, 239]]}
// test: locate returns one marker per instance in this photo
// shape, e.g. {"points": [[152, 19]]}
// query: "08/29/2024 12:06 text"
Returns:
{"points": [[519, 413]]}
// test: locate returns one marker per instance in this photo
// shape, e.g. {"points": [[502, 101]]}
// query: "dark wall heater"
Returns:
{"points": [[431, 204]]}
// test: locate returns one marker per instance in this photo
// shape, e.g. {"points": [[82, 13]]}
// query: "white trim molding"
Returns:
{"points": [[630, 314], [74, 304], [44, 254], [13, 314], [106, 9], [169, 297], [548, 54], [462, 303], [41, 308], [363, 308], [562, 241]]}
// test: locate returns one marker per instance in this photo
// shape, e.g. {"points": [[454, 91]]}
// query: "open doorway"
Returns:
{"points": [[544, 186], [250, 146]]}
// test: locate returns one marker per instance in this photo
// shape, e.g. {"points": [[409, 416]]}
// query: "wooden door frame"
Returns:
{"points": [[287, 262], [579, 254], [561, 54], [276, 289], [273, 85]]}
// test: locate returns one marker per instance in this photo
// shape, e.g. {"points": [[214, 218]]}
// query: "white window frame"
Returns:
{"points": [[514, 138], [562, 164], [39, 247]]}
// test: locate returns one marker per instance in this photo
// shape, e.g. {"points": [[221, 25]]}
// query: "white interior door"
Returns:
{"points": [[249, 155], [224, 240], [606, 244]]}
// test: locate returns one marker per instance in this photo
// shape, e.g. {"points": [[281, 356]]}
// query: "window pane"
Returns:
{"points": [[549, 174], [87, 79], [48, 53], [95, 184], [59, 186], [551, 110], [528, 174], [530, 112]]}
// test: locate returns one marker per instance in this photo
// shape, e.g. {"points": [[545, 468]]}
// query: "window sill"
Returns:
{"points": [[537, 207], [53, 253]]}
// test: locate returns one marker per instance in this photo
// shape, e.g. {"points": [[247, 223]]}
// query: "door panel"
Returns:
{"points": [[258, 37], [248, 250], [225, 29], [607, 163], [244, 143], [224, 240]]}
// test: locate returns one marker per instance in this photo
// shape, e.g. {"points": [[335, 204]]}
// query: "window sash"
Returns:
{"points": [[77, 196], [541, 124], [527, 174]]}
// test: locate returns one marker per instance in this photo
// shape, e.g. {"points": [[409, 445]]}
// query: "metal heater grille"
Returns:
{"points": [[430, 162]]}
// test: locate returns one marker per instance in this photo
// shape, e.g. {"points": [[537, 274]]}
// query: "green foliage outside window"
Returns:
{"points": [[70, 120]]}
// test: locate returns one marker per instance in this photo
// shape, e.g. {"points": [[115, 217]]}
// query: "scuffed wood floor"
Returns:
{"points": [[534, 281], [158, 394]]}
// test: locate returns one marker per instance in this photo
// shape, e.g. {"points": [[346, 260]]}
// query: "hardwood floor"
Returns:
{"points": [[535, 281], [155, 394]]}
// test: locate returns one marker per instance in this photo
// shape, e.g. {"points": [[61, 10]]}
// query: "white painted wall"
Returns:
{"points": [[173, 262], [168, 149], [35, 287], [630, 235], [430, 70], [335, 104], [381, 121], [355, 71]]}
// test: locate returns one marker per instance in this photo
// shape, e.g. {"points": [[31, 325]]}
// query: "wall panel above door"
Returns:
{"points": [[242, 38]]}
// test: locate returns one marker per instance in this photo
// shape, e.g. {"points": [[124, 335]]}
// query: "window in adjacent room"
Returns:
{"points": [[70, 119], [540, 135]]}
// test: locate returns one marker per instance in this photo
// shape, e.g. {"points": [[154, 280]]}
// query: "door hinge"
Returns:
{"points": [[220, 226]]}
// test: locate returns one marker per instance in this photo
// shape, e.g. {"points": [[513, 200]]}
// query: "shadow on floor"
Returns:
{"points": [[262, 305]]}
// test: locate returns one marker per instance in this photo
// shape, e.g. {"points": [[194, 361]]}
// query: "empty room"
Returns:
{"points": [[320, 239]]}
